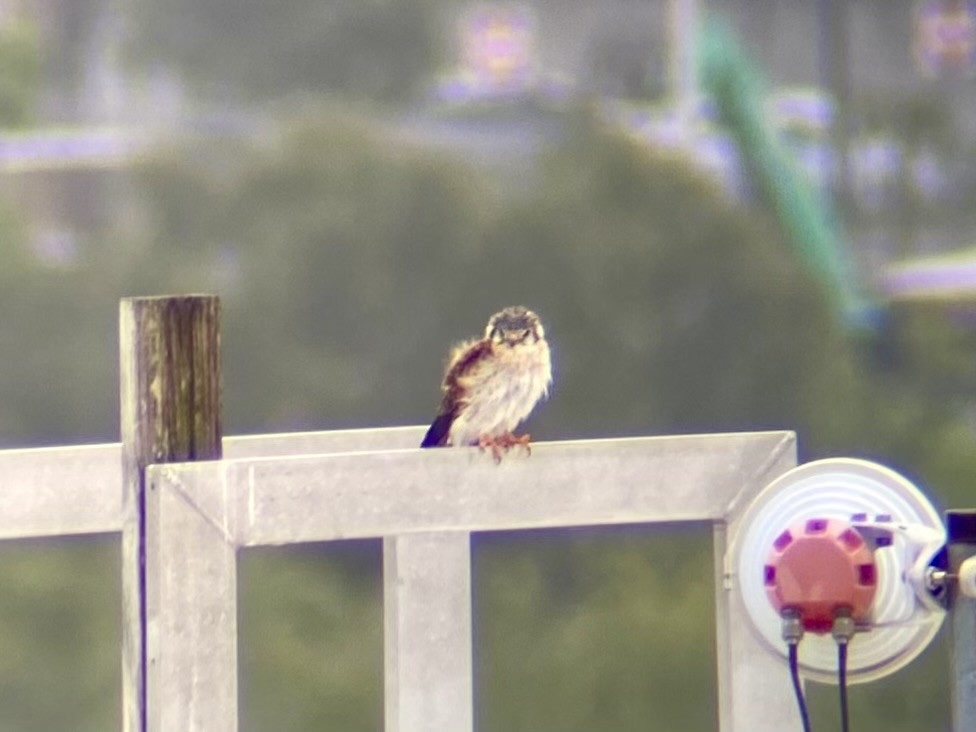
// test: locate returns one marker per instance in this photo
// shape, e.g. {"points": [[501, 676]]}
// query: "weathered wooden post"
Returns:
{"points": [[961, 530], [170, 412]]}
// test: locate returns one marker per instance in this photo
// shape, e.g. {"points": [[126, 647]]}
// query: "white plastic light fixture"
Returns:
{"points": [[889, 511]]}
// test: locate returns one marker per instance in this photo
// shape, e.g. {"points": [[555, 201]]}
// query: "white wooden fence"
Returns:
{"points": [[289, 488]]}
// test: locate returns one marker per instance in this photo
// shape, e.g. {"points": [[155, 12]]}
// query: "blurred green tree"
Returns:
{"points": [[20, 74], [60, 635]]}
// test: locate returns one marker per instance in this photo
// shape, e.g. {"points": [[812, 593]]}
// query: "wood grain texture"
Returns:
{"points": [[170, 381]]}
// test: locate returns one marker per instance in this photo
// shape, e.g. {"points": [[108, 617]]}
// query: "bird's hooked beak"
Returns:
{"points": [[511, 337]]}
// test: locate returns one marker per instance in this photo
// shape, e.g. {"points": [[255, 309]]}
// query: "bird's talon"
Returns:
{"points": [[513, 440], [498, 445]]}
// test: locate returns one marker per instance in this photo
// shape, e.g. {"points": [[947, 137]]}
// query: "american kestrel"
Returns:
{"points": [[492, 384]]}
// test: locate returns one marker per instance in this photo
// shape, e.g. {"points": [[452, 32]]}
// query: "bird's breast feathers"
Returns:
{"points": [[500, 388]]}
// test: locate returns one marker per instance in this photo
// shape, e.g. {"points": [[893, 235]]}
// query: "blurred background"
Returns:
{"points": [[753, 214]]}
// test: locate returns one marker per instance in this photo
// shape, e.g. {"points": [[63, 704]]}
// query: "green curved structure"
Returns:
{"points": [[727, 75]]}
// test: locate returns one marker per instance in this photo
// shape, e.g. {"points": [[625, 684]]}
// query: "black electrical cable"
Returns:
{"points": [[842, 685], [801, 701]]}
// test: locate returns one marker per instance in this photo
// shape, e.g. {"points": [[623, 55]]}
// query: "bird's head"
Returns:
{"points": [[514, 326]]}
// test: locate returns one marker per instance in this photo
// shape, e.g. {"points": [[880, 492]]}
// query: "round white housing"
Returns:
{"points": [[879, 503]]}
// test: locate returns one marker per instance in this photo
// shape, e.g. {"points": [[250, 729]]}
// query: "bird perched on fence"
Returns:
{"points": [[492, 384]]}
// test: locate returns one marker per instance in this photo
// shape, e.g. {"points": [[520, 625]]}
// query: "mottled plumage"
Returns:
{"points": [[492, 384]]}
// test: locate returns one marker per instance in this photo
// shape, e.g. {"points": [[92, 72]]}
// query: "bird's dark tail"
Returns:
{"points": [[437, 434]]}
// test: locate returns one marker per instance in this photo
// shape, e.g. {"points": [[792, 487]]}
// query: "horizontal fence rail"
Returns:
{"points": [[57, 491], [424, 504]]}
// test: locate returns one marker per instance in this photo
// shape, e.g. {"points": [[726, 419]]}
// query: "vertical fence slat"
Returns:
{"points": [[191, 612], [427, 610], [755, 690], [169, 358]]}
